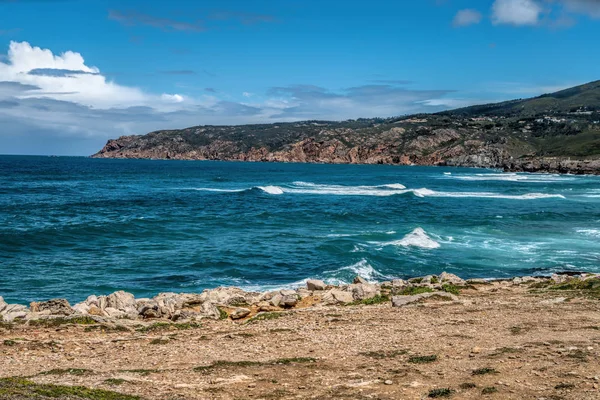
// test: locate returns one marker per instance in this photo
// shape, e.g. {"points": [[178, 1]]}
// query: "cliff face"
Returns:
{"points": [[516, 136]]}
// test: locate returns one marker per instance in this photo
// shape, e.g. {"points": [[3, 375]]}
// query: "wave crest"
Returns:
{"points": [[417, 238]]}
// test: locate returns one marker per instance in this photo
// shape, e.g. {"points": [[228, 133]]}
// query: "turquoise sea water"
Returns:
{"points": [[70, 227]]}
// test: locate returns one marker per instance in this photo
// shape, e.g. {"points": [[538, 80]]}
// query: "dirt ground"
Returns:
{"points": [[499, 341]]}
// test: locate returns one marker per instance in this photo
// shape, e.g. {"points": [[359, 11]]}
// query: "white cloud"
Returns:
{"points": [[247, 94], [516, 12], [467, 17], [172, 98]]}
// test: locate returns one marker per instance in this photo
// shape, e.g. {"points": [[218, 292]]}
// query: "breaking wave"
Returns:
{"points": [[513, 177], [380, 190], [417, 238]]}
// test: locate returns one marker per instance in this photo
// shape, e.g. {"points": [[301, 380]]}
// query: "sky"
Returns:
{"points": [[75, 73]]}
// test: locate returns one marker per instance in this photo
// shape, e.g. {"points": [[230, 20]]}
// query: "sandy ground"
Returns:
{"points": [[503, 342]]}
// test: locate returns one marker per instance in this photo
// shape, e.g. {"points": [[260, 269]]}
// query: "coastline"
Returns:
{"points": [[510, 339], [240, 304], [536, 165]]}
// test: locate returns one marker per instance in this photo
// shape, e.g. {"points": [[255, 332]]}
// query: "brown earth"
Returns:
{"points": [[524, 343]]}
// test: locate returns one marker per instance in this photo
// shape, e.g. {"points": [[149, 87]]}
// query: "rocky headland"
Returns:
{"points": [[426, 337], [554, 133]]}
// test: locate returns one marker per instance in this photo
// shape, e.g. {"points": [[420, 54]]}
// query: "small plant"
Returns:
{"points": [[413, 290], [434, 280], [53, 322], [19, 388], [143, 372], [9, 342], [563, 386], [467, 385], [579, 355], [295, 360], [422, 359], [265, 316], [159, 341], [450, 288], [484, 371], [381, 354], [222, 313], [437, 393], [160, 326], [115, 381], [70, 371], [372, 301], [489, 390], [517, 330]]}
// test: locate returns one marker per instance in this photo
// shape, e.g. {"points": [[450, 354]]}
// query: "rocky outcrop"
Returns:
{"points": [[237, 304]]}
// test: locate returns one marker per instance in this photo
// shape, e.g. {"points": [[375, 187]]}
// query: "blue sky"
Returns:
{"points": [[74, 73]]}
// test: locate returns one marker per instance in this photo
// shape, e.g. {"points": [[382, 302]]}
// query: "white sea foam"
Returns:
{"points": [[345, 274], [589, 232], [202, 189], [379, 190], [271, 189], [416, 238], [514, 177], [527, 196]]}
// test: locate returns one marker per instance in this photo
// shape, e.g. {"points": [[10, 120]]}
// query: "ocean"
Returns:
{"points": [[71, 227]]}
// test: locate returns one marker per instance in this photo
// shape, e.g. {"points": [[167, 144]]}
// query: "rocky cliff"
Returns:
{"points": [[515, 136]]}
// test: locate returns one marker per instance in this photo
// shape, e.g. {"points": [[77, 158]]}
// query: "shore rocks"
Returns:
{"points": [[315, 284], [360, 279], [59, 307], [363, 291], [212, 303], [239, 313], [337, 296]]}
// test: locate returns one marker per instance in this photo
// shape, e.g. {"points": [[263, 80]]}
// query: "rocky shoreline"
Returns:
{"points": [[239, 305], [428, 337]]}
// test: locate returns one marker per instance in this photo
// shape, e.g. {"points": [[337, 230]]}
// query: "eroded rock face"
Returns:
{"points": [[337, 296], [445, 277], [239, 313], [363, 291], [52, 307]]}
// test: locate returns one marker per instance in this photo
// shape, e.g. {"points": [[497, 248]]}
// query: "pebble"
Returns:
{"points": [[388, 382]]}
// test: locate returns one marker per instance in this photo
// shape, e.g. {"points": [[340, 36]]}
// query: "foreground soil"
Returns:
{"points": [[499, 341]]}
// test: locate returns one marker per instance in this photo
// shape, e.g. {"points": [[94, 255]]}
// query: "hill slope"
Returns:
{"points": [[558, 132]]}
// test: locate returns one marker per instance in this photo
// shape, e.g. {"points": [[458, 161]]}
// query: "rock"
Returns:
{"points": [[400, 301], [388, 382], [287, 292], [476, 350], [399, 283], [560, 278], [93, 310], [276, 300], [266, 306], [315, 284], [289, 300], [446, 277], [54, 307], [209, 310], [239, 313], [122, 301], [359, 279], [228, 296], [114, 313], [14, 311], [303, 293], [150, 310], [81, 308], [337, 296], [92, 301], [363, 291], [3, 304]]}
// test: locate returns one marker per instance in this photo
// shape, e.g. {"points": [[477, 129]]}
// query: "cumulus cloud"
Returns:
{"points": [[516, 12], [467, 17], [55, 100]]}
